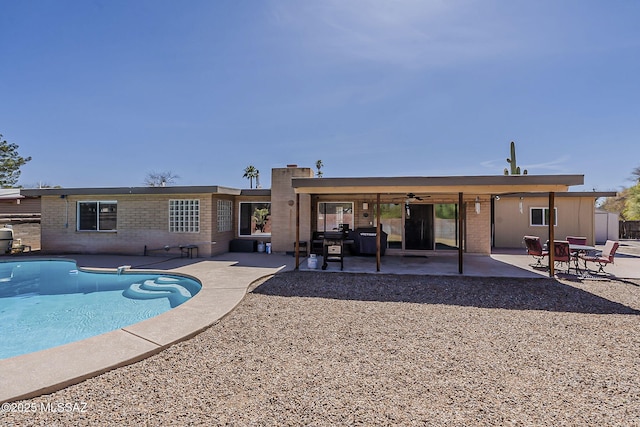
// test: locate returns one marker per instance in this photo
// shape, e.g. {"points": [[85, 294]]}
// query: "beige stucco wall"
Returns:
{"points": [[575, 218], [283, 208], [142, 220]]}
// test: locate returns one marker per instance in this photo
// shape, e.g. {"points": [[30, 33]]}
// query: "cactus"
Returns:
{"points": [[515, 169]]}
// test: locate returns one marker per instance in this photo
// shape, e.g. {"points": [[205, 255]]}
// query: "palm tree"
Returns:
{"points": [[250, 172], [319, 165]]}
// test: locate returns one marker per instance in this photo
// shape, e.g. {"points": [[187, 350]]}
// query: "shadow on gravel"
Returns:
{"points": [[481, 292]]}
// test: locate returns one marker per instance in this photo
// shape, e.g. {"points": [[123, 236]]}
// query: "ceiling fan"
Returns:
{"points": [[412, 198]]}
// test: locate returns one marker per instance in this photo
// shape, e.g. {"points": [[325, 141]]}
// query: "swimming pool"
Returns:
{"points": [[46, 303]]}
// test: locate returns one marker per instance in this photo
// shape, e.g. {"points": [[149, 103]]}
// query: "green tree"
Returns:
{"points": [[616, 204], [260, 217], [10, 163], [631, 210], [635, 175], [627, 202], [251, 172]]}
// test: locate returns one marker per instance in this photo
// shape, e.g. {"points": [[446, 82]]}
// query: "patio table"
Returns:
{"points": [[576, 249]]}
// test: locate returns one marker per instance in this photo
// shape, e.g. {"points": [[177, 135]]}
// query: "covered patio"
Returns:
{"points": [[472, 196]]}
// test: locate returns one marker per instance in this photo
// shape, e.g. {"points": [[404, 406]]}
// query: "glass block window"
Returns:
{"points": [[184, 216], [225, 215]]}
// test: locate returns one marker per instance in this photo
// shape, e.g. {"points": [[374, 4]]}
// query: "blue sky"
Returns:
{"points": [[102, 92]]}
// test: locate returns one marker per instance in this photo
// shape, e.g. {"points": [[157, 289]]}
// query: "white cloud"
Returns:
{"points": [[425, 33], [411, 33]]}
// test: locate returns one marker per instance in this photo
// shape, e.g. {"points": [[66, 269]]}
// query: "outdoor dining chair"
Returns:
{"points": [[604, 258], [573, 240], [534, 248], [561, 253], [576, 240]]}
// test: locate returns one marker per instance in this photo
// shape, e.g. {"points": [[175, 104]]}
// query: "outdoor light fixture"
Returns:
{"points": [[477, 205], [520, 204], [365, 206]]}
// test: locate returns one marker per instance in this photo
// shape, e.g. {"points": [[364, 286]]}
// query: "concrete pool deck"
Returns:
{"points": [[225, 279], [224, 284]]}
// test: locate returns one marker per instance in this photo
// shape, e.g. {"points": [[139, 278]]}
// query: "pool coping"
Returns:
{"points": [[224, 285]]}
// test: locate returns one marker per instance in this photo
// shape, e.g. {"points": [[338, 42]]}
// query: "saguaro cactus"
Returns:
{"points": [[515, 169]]}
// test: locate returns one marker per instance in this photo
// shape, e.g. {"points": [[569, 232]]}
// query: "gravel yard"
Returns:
{"points": [[363, 349]]}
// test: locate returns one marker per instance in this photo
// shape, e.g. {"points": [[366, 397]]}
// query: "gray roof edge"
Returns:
{"points": [[204, 189], [595, 194], [256, 192], [439, 180]]}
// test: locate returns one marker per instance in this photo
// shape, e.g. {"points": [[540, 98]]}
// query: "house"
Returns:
{"points": [[469, 214], [520, 214], [22, 213]]}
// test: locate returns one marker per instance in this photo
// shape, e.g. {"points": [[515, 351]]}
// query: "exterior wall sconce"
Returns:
{"points": [[477, 205], [520, 205]]}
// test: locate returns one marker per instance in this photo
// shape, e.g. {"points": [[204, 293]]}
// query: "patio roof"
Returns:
{"points": [[481, 184]]}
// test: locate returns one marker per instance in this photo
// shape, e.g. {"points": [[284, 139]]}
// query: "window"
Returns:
{"points": [[255, 219], [97, 216], [184, 216], [446, 226], [391, 222], [335, 215], [225, 215], [540, 216]]}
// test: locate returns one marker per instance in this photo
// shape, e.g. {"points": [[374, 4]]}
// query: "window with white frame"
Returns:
{"points": [[184, 216], [540, 216], [225, 215], [97, 216], [255, 219]]}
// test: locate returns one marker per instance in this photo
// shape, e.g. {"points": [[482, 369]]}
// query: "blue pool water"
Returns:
{"points": [[46, 303]]}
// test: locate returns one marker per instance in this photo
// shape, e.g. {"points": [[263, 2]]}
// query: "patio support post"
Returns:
{"points": [[461, 212], [552, 220], [297, 244], [378, 232]]}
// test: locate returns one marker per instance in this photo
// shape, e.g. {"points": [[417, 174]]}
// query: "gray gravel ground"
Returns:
{"points": [[346, 349]]}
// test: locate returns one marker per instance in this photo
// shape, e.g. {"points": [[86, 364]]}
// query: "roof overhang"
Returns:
{"points": [[10, 194], [491, 184], [593, 194], [209, 189]]}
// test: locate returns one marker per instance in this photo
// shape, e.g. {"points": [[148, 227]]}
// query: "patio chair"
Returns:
{"points": [[534, 248], [604, 258], [561, 253], [576, 240], [573, 240]]}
